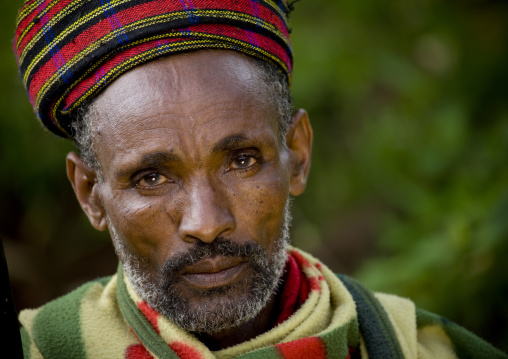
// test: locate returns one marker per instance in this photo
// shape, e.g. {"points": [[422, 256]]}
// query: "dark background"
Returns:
{"points": [[409, 183]]}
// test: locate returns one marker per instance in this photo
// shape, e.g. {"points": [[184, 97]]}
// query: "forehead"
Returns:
{"points": [[197, 98]]}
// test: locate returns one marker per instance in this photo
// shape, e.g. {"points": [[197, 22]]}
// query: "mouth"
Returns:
{"points": [[214, 272]]}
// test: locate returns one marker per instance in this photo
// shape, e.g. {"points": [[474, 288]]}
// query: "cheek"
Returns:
{"points": [[259, 209], [143, 223]]}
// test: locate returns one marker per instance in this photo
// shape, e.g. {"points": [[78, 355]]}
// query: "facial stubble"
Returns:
{"points": [[216, 309]]}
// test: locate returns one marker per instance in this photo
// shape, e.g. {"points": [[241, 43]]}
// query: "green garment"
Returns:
{"points": [[107, 319]]}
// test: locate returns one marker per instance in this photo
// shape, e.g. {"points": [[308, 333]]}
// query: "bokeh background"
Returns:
{"points": [[409, 183]]}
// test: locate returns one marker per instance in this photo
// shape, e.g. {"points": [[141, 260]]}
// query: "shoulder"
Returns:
{"points": [[58, 325], [415, 340], [418, 333], [437, 334]]}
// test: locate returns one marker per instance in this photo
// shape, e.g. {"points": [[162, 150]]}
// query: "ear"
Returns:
{"points": [[299, 142], [85, 183]]}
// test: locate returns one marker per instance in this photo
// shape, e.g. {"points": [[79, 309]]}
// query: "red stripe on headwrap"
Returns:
{"points": [[69, 50]]}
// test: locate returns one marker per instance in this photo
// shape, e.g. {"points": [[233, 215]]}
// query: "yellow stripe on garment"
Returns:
{"points": [[402, 314], [97, 304], [339, 296], [434, 343], [313, 318], [134, 26], [32, 8], [28, 9], [182, 46], [54, 20], [138, 25], [170, 333], [27, 318], [277, 8]]}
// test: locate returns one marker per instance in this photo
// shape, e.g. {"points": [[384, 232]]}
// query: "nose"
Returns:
{"points": [[206, 215]]}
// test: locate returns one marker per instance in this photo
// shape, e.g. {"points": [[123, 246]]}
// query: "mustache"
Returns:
{"points": [[219, 247]]}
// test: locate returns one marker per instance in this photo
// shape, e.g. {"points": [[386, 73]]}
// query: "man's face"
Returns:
{"points": [[195, 184]]}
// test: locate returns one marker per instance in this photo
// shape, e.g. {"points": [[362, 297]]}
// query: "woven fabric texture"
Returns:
{"points": [[69, 50], [108, 319]]}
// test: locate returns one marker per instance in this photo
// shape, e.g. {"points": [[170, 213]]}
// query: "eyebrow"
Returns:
{"points": [[151, 160], [229, 143], [157, 158]]}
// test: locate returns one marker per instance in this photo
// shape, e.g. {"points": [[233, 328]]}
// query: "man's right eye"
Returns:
{"points": [[152, 180]]}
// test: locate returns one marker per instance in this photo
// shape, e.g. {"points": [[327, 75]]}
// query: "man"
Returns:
{"points": [[189, 154]]}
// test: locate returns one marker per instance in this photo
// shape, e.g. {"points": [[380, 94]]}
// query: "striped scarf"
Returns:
{"points": [[311, 313], [107, 319]]}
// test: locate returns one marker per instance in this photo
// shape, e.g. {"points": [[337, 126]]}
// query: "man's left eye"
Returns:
{"points": [[152, 180], [242, 162]]}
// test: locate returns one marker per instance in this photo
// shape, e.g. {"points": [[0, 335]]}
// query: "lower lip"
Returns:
{"points": [[217, 279]]}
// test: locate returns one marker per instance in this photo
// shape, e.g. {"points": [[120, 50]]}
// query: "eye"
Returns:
{"points": [[152, 180], [242, 162]]}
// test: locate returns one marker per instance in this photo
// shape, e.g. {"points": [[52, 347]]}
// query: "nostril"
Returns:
{"points": [[206, 223], [206, 217]]}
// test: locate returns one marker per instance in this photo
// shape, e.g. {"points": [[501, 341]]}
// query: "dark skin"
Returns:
{"points": [[190, 150]]}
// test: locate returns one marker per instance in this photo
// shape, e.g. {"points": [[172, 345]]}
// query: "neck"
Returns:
{"points": [[232, 336]]}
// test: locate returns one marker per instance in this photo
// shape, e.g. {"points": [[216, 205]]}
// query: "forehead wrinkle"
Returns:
{"points": [[180, 132], [206, 114], [182, 116], [163, 81], [176, 79], [157, 103]]}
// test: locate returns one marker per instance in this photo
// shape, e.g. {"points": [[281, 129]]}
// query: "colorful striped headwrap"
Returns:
{"points": [[69, 50]]}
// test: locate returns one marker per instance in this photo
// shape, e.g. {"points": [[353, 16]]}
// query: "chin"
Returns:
{"points": [[209, 310], [218, 307]]}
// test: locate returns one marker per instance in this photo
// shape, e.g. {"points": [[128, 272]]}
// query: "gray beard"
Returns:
{"points": [[222, 307]]}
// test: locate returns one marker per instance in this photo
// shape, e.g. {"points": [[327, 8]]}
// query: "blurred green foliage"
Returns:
{"points": [[408, 188], [409, 103]]}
